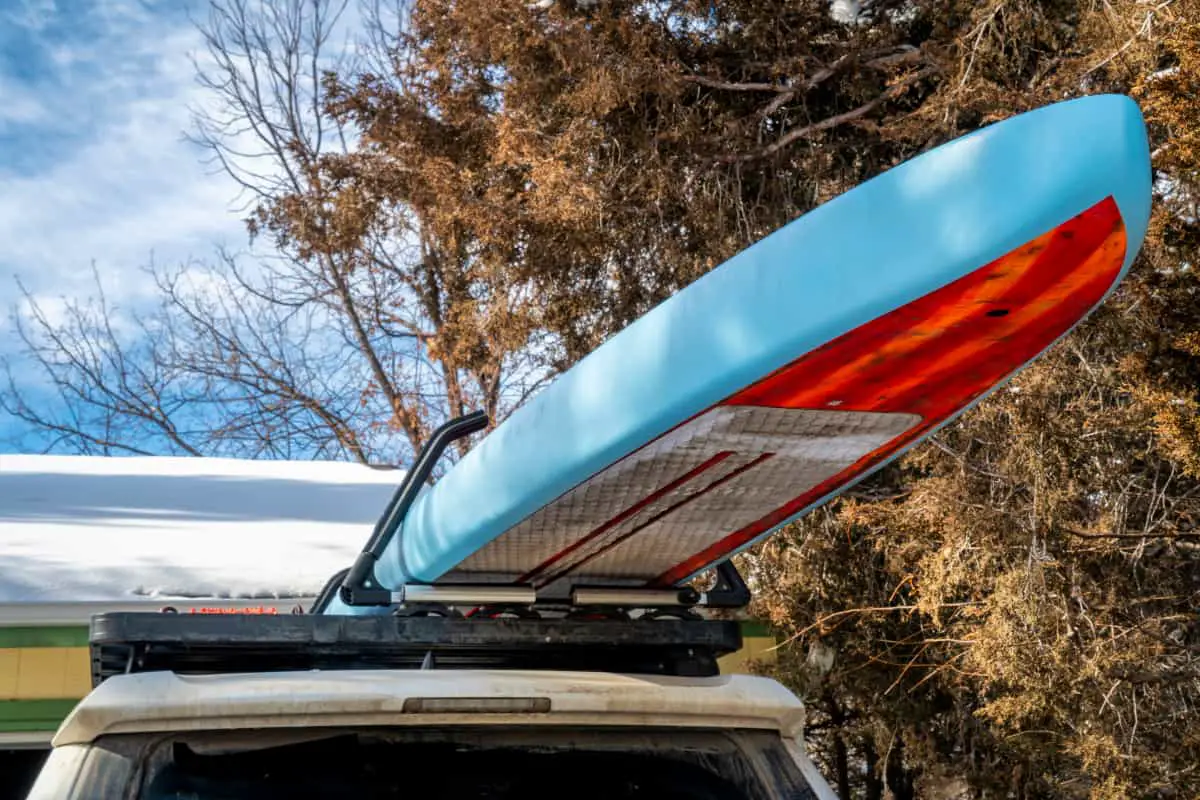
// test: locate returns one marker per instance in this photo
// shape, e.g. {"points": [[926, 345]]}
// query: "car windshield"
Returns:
{"points": [[488, 765]]}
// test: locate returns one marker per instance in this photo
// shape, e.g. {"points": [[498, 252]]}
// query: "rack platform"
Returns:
{"points": [[142, 642]]}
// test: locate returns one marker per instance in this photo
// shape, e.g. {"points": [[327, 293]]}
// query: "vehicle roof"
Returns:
{"points": [[167, 702]]}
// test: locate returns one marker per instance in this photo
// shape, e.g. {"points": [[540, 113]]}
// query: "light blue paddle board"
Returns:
{"points": [[797, 367]]}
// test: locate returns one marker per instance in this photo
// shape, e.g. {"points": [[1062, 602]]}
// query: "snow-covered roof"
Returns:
{"points": [[89, 528]]}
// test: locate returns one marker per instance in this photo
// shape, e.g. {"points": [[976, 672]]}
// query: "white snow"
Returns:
{"points": [[88, 528]]}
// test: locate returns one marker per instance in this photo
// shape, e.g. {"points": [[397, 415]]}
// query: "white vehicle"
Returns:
{"points": [[471, 692], [189, 707]]}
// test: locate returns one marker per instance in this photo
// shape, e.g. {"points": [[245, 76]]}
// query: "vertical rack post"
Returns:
{"points": [[360, 586]]}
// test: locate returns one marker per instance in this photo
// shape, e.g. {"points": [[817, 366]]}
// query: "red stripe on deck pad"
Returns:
{"points": [[624, 515], [660, 515]]}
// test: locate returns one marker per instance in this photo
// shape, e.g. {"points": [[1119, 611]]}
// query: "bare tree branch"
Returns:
{"points": [[861, 111]]}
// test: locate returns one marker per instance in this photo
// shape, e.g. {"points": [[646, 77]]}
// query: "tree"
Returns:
{"points": [[606, 154], [1009, 610], [1005, 606], [1017, 618], [344, 338]]}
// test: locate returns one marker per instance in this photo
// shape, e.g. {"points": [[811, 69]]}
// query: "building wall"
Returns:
{"points": [[43, 673]]}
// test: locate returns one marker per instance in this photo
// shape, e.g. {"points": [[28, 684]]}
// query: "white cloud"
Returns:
{"points": [[50, 307], [32, 15], [97, 169], [20, 106]]}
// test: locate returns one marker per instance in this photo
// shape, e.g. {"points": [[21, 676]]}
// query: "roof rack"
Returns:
{"points": [[728, 591], [622, 629], [202, 644]]}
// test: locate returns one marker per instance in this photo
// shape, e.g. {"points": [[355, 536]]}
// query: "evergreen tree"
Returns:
{"points": [[1010, 610]]}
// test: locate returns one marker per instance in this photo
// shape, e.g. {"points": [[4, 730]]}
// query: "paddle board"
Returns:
{"points": [[799, 366]]}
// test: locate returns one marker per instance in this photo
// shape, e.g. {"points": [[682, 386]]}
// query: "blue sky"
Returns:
{"points": [[94, 167], [94, 104]]}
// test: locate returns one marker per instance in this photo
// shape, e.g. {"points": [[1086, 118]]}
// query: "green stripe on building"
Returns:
{"points": [[24, 716], [43, 636]]}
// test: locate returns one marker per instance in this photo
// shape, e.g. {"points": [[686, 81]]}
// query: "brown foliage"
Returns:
{"points": [[604, 156], [1010, 611], [1041, 566], [1017, 617]]}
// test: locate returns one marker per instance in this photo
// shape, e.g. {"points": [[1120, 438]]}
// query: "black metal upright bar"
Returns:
{"points": [[360, 586]]}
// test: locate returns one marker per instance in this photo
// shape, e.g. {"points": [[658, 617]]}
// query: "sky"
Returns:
{"points": [[94, 166], [96, 98]]}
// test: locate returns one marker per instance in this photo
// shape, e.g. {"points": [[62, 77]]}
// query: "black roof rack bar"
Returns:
{"points": [[207, 644], [360, 586]]}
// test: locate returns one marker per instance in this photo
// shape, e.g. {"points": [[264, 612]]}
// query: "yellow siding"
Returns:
{"points": [[40, 673], [9, 667], [754, 648], [36, 673]]}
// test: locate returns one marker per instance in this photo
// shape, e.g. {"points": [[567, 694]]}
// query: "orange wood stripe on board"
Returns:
{"points": [[938, 354]]}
